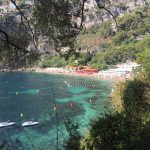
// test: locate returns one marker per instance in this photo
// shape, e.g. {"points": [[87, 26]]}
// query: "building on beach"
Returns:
{"points": [[122, 70]]}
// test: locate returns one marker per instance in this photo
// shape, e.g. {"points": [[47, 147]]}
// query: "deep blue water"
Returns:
{"points": [[34, 95]]}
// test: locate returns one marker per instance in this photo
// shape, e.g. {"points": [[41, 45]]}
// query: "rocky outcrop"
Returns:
{"points": [[94, 16]]}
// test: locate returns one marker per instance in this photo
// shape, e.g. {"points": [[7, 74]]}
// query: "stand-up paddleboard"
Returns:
{"points": [[5, 124], [29, 123]]}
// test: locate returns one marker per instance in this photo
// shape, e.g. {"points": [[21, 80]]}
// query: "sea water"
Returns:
{"points": [[38, 96]]}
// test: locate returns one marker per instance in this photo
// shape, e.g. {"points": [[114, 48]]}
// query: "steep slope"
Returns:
{"points": [[94, 16]]}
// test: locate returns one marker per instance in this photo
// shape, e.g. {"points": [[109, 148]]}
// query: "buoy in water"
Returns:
{"points": [[17, 93], [21, 115], [90, 101], [54, 108]]}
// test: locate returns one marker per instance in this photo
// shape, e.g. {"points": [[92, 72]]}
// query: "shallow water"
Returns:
{"points": [[33, 95]]}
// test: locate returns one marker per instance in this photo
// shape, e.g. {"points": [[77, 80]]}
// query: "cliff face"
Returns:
{"points": [[95, 16]]}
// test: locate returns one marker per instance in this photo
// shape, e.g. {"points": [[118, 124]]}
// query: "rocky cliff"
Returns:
{"points": [[95, 16]]}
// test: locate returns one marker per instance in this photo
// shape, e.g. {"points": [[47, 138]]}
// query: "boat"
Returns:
{"points": [[29, 123], [7, 123]]}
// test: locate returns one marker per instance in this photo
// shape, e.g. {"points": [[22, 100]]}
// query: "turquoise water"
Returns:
{"points": [[33, 94]]}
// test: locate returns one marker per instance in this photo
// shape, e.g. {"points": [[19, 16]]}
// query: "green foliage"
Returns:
{"points": [[126, 21], [98, 61], [144, 57], [103, 59], [134, 97], [143, 72], [58, 61], [73, 142], [16, 55], [105, 30], [103, 37], [136, 23], [84, 58], [123, 53], [55, 61], [120, 46], [54, 20], [117, 132], [143, 44], [96, 37], [109, 132], [99, 66], [72, 61], [120, 37], [117, 97]]}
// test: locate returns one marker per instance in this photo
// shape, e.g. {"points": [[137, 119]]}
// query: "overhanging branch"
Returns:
{"points": [[28, 24], [9, 42], [107, 10]]}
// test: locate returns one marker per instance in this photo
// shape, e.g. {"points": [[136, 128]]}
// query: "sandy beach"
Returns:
{"points": [[64, 71], [74, 73]]}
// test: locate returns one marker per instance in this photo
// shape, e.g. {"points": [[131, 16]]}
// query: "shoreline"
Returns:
{"points": [[62, 71], [94, 76]]}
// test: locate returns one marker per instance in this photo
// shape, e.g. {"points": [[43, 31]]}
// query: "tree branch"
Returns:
{"points": [[107, 10], [82, 14], [28, 24], [9, 42]]}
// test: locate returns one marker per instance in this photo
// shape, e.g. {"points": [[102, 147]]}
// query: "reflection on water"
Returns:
{"points": [[31, 95]]}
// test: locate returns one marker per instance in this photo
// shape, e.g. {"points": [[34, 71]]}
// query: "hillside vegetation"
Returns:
{"points": [[114, 47], [101, 46]]}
